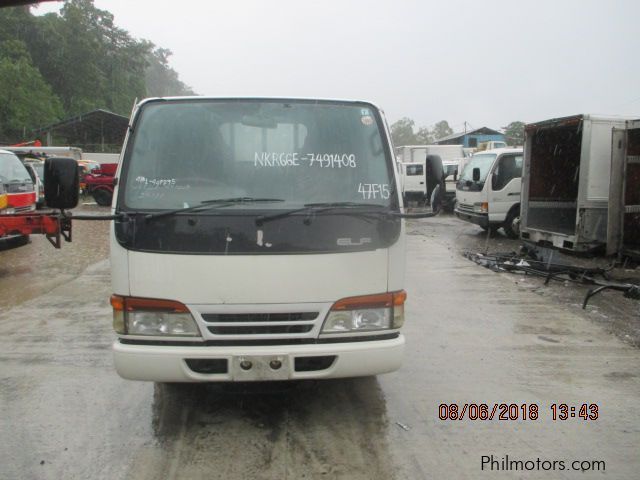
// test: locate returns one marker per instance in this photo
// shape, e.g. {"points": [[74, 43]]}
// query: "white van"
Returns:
{"points": [[488, 190], [257, 239]]}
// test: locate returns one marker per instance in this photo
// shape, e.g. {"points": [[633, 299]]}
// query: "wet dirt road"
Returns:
{"points": [[473, 336], [33, 269]]}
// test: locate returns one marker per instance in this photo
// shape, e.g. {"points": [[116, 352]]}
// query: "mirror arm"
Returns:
{"points": [[117, 216]]}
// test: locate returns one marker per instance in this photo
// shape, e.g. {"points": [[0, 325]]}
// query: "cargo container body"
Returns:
{"points": [[565, 184]]}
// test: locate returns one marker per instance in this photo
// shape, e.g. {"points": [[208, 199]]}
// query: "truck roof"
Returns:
{"points": [[574, 119], [284, 99]]}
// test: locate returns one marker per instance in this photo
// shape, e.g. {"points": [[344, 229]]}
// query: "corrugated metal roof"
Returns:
{"points": [[477, 131], [94, 119]]}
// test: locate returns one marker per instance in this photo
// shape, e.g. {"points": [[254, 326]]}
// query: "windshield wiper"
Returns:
{"points": [[213, 203], [312, 208]]}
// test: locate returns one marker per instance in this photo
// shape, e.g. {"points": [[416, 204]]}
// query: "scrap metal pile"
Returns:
{"points": [[600, 278]]}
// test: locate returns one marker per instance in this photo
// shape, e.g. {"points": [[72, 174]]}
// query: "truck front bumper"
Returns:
{"points": [[481, 219], [160, 363]]}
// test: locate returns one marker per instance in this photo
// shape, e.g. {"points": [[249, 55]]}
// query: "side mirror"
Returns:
{"points": [[61, 182], [476, 174]]}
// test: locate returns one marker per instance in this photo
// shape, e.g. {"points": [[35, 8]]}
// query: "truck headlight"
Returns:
{"points": [[148, 316], [370, 312], [481, 207]]}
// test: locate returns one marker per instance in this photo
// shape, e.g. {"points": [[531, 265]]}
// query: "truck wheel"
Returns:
{"points": [[102, 197], [512, 223]]}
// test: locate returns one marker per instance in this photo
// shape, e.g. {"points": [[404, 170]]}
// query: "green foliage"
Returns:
{"points": [[514, 133], [402, 132], [162, 80], [441, 130], [26, 100], [424, 136], [79, 60]]}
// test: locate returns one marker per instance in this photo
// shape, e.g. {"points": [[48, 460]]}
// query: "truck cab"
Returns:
{"points": [[256, 240], [490, 145], [99, 183], [18, 186], [17, 192], [488, 190]]}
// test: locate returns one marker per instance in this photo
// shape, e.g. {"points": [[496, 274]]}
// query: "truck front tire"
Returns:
{"points": [[512, 223]]}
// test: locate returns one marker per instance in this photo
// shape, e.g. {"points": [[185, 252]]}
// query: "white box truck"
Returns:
{"points": [[565, 184], [257, 239], [488, 190], [624, 192]]}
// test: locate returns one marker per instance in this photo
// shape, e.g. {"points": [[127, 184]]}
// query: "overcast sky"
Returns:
{"points": [[485, 62]]}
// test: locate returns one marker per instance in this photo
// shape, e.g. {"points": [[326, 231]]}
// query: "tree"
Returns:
{"points": [[161, 79], [26, 100], [441, 129], [424, 136], [89, 61], [514, 133], [402, 132]]}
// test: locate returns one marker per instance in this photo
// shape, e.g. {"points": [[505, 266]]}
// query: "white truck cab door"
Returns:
{"points": [[504, 185], [415, 180]]}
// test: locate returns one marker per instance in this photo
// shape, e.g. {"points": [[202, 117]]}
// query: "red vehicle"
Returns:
{"points": [[21, 194], [18, 219], [17, 192], [85, 167], [100, 183]]}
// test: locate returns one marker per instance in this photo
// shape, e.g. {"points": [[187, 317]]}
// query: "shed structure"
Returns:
{"points": [[96, 131], [471, 138]]}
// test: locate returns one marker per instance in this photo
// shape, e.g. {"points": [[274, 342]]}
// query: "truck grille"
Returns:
{"points": [[465, 207], [260, 323], [18, 187], [27, 208]]}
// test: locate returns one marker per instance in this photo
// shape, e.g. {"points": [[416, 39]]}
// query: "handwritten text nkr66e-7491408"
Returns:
{"points": [[294, 159]]}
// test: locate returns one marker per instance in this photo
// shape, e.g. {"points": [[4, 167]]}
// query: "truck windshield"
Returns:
{"points": [[189, 151], [483, 162], [302, 152], [12, 170]]}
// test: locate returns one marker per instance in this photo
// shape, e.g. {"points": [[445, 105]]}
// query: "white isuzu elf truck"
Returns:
{"points": [[488, 190], [256, 239]]}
